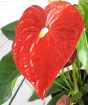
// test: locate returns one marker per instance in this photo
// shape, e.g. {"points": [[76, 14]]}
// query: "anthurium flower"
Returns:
{"points": [[45, 40]]}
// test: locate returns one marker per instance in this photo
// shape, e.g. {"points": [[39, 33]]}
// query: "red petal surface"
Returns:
{"points": [[41, 59], [59, 4]]}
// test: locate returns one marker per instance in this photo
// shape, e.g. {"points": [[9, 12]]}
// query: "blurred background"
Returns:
{"points": [[11, 10]]}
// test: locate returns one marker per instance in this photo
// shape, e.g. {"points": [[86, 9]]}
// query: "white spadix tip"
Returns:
{"points": [[43, 32]]}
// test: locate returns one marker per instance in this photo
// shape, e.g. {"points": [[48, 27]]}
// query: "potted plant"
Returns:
{"points": [[72, 81]]}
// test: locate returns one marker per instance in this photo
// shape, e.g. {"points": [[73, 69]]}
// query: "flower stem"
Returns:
{"points": [[64, 77], [16, 92], [69, 76], [60, 85], [76, 89]]}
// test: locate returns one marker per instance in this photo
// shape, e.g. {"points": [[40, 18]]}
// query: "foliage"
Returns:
{"points": [[8, 73], [83, 42], [9, 30]]}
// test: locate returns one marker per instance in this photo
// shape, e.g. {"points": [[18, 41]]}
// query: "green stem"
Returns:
{"points": [[79, 77], [69, 76], [76, 89], [60, 85], [10, 103], [71, 104], [65, 79], [84, 77]]}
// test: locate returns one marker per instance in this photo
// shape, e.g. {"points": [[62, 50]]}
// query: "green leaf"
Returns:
{"points": [[8, 72], [56, 98], [9, 30], [81, 102], [54, 89], [33, 97], [82, 0], [76, 97], [82, 49], [13, 84], [83, 8], [84, 89], [78, 63]]}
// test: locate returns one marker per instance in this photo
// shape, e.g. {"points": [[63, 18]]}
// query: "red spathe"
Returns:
{"points": [[41, 59]]}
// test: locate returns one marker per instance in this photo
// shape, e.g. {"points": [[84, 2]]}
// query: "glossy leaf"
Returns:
{"points": [[8, 72], [83, 8], [76, 97], [78, 62], [13, 84], [81, 102], [84, 89], [9, 30], [33, 97], [82, 48]]}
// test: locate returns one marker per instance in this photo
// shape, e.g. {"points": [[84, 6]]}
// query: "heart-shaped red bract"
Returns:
{"points": [[41, 59]]}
